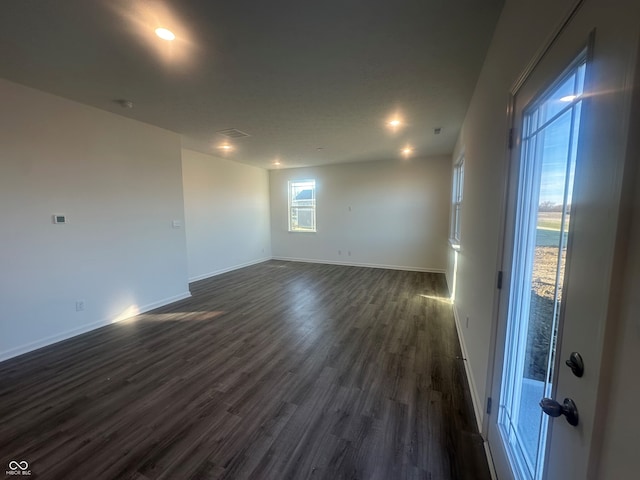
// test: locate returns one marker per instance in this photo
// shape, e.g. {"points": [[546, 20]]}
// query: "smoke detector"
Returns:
{"points": [[125, 103]]}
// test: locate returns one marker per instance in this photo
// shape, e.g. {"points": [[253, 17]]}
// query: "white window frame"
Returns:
{"points": [[296, 208], [457, 196]]}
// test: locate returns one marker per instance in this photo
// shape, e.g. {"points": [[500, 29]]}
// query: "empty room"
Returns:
{"points": [[335, 240]]}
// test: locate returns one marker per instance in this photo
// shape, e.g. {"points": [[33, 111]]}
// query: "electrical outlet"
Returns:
{"points": [[339, 252], [349, 253], [79, 305], [467, 321]]}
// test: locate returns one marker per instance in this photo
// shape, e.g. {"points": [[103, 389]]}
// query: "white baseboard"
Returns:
{"points": [[475, 398], [160, 303], [477, 403], [43, 342], [487, 452], [368, 265], [228, 269]]}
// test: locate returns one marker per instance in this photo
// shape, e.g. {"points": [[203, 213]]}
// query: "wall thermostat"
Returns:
{"points": [[59, 219]]}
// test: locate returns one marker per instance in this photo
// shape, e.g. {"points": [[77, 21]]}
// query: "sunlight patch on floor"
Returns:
{"points": [[446, 300], [127, 314]]}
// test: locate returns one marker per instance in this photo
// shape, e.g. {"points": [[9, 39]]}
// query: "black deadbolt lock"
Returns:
{"points": [[576, 364]]}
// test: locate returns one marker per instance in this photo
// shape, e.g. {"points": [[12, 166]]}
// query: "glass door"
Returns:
{"points": [[550, 126]]}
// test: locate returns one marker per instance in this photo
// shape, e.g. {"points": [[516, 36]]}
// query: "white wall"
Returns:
{"points": [[621, 426], [227, 214], [387, 214], [119, 183], [618, 430]]}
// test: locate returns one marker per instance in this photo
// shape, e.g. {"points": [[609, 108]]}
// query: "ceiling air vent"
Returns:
{"points": [[232, 133]]}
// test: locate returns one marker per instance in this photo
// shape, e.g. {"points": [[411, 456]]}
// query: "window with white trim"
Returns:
{"points": [[302, 206], [456, 202]]}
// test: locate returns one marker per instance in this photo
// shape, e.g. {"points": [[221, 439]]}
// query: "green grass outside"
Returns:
{"points": [[551, 221]]}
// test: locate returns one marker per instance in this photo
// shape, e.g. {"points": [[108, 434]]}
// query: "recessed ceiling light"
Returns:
{"points": [[395, 123], [165, 34], [276, 163], [568, 98], [225, 147], [407, 151]]}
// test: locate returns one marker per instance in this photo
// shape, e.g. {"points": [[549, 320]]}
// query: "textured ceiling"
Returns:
{"points": [[312, 82]]}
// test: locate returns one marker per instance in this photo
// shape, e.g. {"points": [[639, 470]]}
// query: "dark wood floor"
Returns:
{"points": [[277, 371]]}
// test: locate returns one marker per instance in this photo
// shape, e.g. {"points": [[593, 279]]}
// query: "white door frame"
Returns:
{"points": [[496, 348]]}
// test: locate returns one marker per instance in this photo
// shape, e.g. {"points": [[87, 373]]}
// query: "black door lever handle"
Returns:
{"points": [[554, 409]]}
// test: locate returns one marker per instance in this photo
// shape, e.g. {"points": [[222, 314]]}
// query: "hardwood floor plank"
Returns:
{"points": [[279, 371]]}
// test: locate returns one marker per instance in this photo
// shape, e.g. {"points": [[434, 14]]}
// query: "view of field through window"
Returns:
{"points": [[548, 267], [552, 137]]}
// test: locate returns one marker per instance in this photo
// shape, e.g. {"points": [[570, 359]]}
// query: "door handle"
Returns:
{"points": [[554, 409]]}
